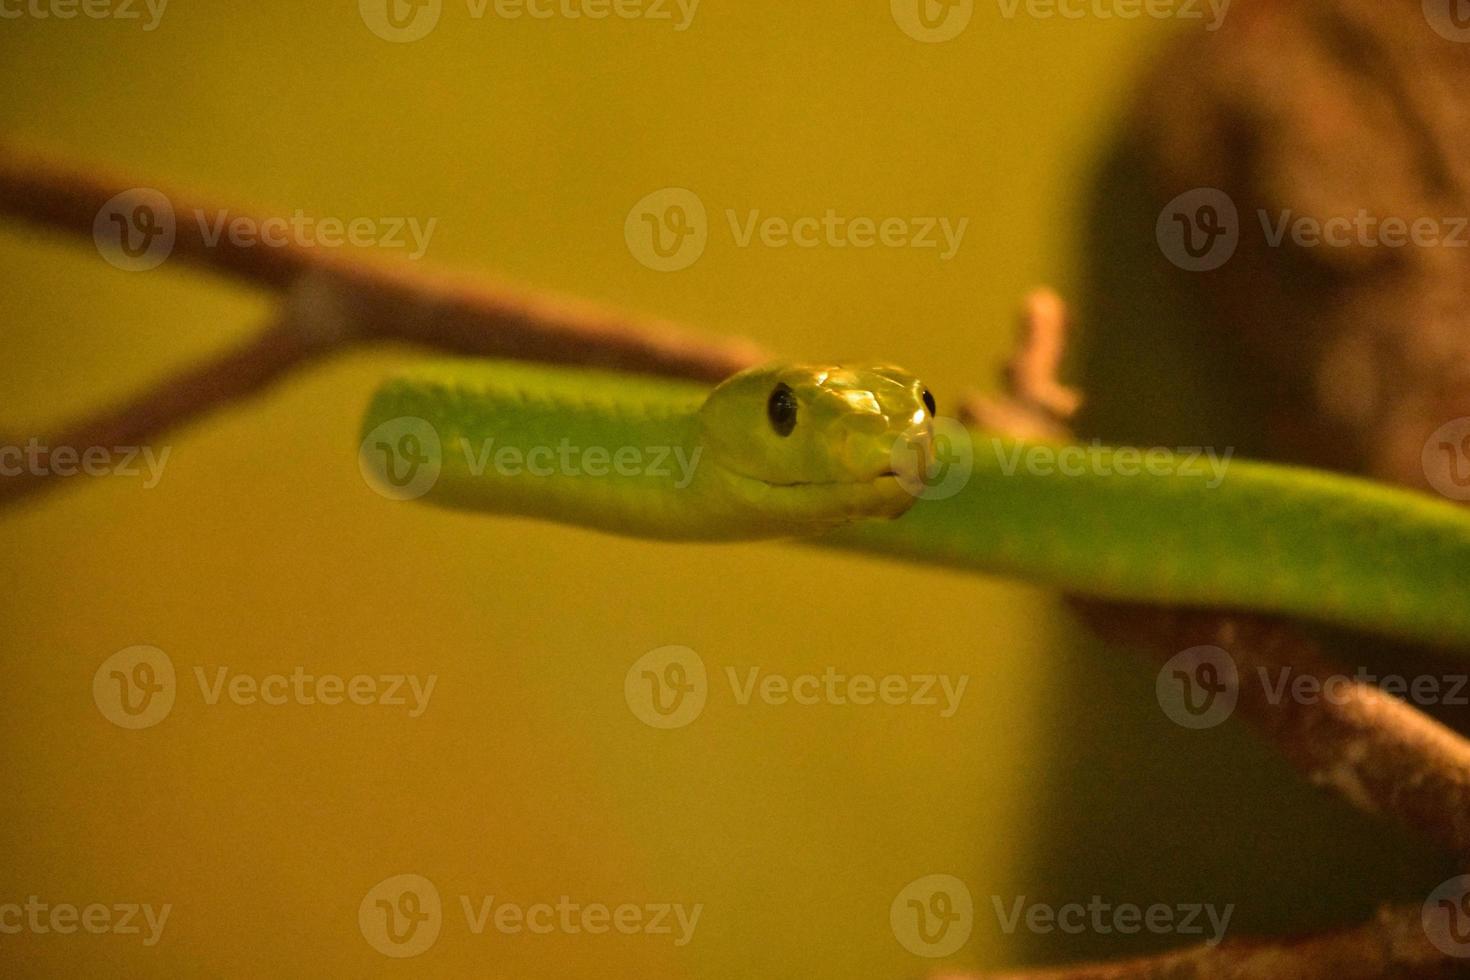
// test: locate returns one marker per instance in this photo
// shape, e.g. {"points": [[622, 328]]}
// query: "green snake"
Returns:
{"points": [[855, 457]]}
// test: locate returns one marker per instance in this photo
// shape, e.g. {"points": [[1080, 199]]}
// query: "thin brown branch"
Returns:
{"points": [[1392, 944], [1032, 374], [226, 379], [376, 301], [334, 301], [1035, 405]]}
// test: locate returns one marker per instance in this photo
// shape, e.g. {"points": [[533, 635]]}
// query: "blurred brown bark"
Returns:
{"points": [[1322, 110]]}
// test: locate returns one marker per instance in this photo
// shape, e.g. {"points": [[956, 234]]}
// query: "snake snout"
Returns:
{"points": [[858, 445], [872, 445]]}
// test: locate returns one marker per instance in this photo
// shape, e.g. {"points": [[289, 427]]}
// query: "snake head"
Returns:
{"points": [[818, 445]]}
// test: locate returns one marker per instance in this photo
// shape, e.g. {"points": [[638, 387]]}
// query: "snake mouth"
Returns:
{"points": [[827, 503], [870, 481], [877, 479]]}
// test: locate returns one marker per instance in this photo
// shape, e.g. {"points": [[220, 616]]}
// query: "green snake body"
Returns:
{"points": [[852, 472]]}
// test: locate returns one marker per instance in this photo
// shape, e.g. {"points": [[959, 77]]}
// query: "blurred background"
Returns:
{"points": [[527, 141]]}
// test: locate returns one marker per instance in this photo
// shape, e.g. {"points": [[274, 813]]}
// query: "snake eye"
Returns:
{"points": [[781, 409], [928, 401]]}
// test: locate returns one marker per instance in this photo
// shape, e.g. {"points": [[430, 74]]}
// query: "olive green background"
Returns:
{"points": [[528, 777]]}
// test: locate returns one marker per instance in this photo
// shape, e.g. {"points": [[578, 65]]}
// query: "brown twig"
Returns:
{"points": [[226, 379], [1036, 404], [334, 302], [1034, 369], [379, 302]]}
